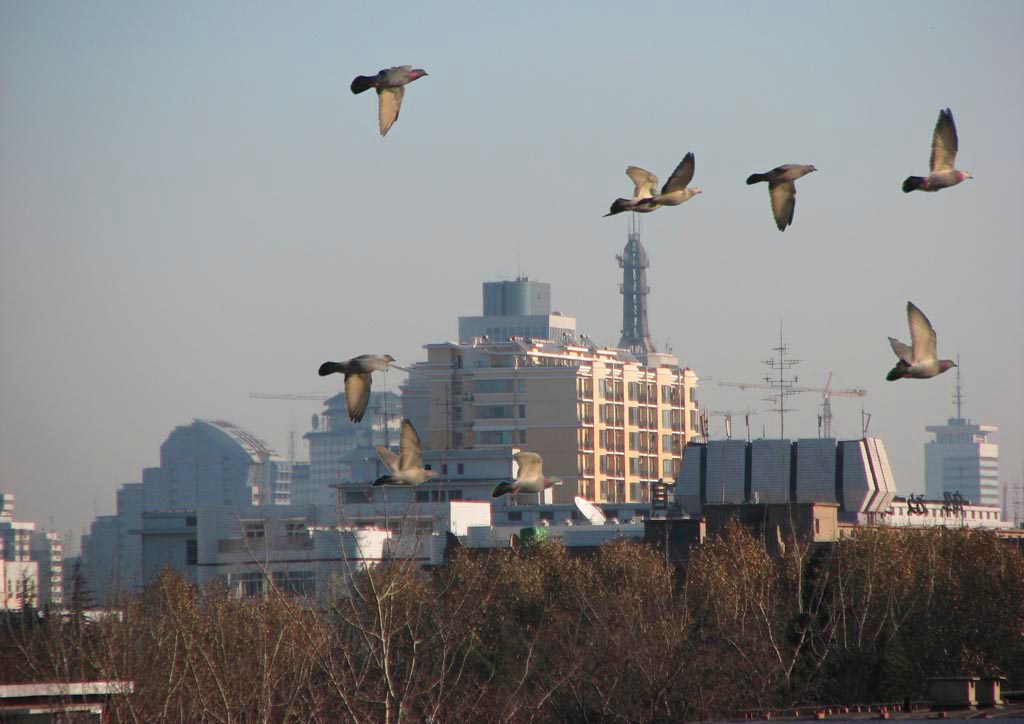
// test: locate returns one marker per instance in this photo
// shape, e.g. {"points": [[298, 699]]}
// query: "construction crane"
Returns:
{"points": [[827, 393]]}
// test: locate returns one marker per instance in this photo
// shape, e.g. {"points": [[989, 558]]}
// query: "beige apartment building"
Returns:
{"points": [[604, 421]]}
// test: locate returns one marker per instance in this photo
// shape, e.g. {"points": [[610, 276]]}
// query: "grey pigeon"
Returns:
{"points": [[358, 378], [407, 469], [782, 190], [390, 84], [645, 199], [529, 477], [944, 148], [920, 361]]}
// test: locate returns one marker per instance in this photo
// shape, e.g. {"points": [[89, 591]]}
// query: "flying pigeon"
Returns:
{"points": [[944, 147], [407, 467], [782, 190], [921, 361], [358, 379], [529, 478], [645, 199], [644, 183], [390, 84]]}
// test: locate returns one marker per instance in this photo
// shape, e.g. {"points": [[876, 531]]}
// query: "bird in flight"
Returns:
{"points": [[782, 190], [919, 361], [941, 164], [358, 378], [646, 199], [390, 84], [529, 477], [406, 468]]}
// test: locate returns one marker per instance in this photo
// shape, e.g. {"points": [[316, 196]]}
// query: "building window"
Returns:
{"points": [[250, 585], [522, 437], [295, 583], [521, 386], [191, 553], [522, 411], [514, 516], [460, 468], [254, 531], [444, 468], [666, 468], [190, 522]]}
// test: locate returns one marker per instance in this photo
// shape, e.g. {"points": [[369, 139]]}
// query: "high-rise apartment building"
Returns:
{"points": [[19, 573], [605, 423]]}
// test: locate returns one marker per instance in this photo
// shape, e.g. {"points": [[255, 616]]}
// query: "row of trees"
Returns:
{"points": [[548, 637]]}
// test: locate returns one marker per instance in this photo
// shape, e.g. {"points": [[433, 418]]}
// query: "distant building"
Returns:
{"points": [[338, 446], [852, 474], [520, 308], [19, 573], [961, 459], [214, 462], [605, 423], [48, 552]]}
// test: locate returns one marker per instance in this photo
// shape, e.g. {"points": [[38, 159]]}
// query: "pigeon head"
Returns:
{"points": [[811, 168], [417, 73], [696, 190], [428, 474], [551, 482], [945, 364], [965, 175], [389, 358]]}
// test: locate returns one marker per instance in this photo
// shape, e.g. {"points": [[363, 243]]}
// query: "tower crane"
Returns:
{"points": [[827, 393]]}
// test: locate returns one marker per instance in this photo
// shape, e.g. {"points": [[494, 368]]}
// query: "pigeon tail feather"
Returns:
{"points": [[913, 183], [328, 368], [502, 489], [384, 480], [362, 83], [755, 178], [898, 371]]}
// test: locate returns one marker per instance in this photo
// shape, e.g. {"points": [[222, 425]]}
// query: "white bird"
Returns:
{"points": [[358, 378], [407, 467], [942, 161], [782, 190], [529, 477], [920, 361], [390, 84]]}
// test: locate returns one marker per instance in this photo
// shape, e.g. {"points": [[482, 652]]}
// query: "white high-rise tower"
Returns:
{"points": [[961, 459]]}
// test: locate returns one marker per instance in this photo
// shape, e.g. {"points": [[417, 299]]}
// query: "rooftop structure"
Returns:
{"points": [[853, 474], [520, 308]]}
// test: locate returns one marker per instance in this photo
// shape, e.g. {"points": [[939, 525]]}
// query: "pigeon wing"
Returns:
{"points": [[783, 203], [944, 143], [389, 459], [922, 335], [357, 394], [410, 450], [902, 351], [644, 181], [389, 103], [681, 177], [529, 465]]}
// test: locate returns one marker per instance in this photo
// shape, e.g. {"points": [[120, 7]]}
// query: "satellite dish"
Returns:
{"points": [[589, 511]]}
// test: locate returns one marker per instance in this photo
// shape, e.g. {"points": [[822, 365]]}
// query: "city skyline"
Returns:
{"points": [[184, 225]]}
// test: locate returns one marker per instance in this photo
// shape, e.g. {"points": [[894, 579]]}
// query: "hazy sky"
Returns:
{"points": [[193, 206]]}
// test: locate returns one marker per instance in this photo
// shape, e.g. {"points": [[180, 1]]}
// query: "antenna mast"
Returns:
{"points": [[782, 386], [958, 395]]}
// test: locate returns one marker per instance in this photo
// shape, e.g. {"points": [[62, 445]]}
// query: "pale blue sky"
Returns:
{"points": [[193, 206]]}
